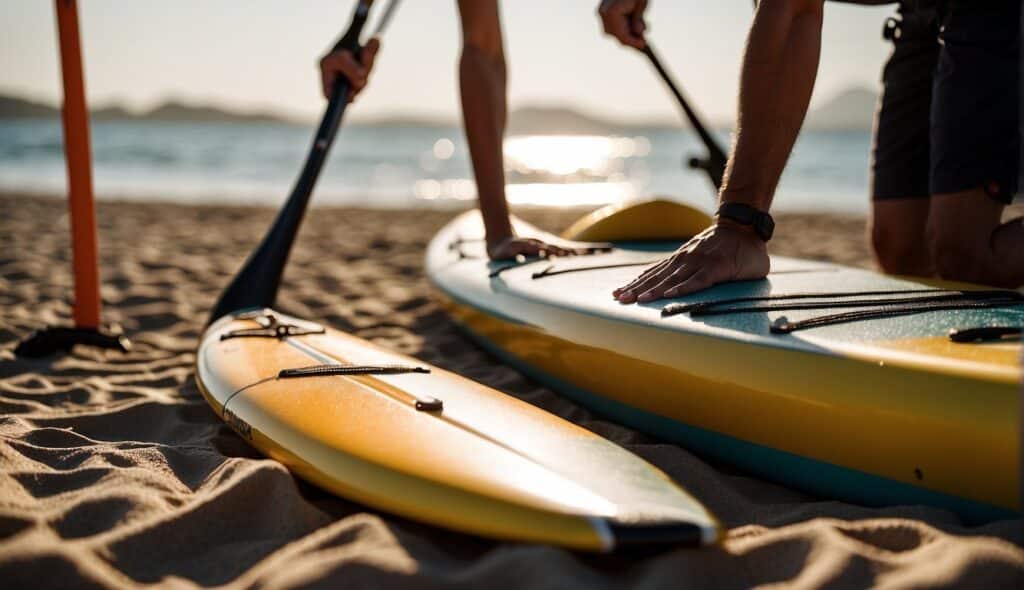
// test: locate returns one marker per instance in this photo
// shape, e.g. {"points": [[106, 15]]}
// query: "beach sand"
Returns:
{"points": [[115, 473]]}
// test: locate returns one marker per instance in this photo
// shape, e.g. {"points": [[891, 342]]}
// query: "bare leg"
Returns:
{"points": [[898, 238], [968, 243]]}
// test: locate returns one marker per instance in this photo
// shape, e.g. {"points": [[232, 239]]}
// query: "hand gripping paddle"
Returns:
{"points": [[256, 283]]}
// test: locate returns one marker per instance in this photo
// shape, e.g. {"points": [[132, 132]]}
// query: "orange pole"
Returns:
{"points": [[84, 258]]}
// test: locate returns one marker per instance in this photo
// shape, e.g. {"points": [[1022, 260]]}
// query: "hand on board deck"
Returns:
{"points": [[514, 246], [624, 20], [724, 252], [343, 63]]}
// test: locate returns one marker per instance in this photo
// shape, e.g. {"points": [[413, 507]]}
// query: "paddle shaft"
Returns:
{"points": [[256, 283], [714, 164]]}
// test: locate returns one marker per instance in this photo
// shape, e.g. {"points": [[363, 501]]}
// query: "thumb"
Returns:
{"points": [[369, 52]]}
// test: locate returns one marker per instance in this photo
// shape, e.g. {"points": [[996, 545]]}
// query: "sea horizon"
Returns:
{"points": [[389, 166]]}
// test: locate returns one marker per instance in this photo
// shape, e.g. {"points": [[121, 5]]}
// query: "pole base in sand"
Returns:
{"points": [[54, 339]]}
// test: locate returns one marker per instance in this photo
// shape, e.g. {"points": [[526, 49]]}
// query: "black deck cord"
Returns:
{"points": [[533, 260], [519, 264], [708, 307], [279, 331], [967, 296], [257, 282], [329, 370], [784, 326], [550, 271], [459, 241], [935, 300], [714, 164], [456, 246]]}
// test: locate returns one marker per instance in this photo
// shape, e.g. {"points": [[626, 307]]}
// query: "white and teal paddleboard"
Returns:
{"points": [[824, 377]]}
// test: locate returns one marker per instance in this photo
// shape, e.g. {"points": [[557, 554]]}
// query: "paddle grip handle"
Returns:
{"points": [[350, 41]]}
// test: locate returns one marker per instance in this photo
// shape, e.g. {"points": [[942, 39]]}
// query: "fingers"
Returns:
{"points": [[636, 22], [344, 63], [528, 247], [367, 57], [541, 248], [643, 276], [354, 71], [677, 277], [327, 76], [554, 250], [698, 281], [369, 53], [632, 294], [717, 255], [647, 281], [509, 249], [683, 282], [623, 19]]}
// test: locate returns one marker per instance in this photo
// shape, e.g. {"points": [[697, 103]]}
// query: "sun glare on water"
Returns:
{"points": [[552, 170], [568, 170]]}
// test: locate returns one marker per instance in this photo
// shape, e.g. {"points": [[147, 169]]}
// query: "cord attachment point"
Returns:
{"points": [[984, 334]]}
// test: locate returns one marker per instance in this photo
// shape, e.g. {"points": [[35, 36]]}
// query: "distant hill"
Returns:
{"points": [[178, 111], [112, 113], [528, 120], [18, 108], [553, 120], [851, 109], [404, 121], [12, 107]]}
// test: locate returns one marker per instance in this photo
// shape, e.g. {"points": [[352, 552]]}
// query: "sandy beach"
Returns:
{"points": [[115, 473]]}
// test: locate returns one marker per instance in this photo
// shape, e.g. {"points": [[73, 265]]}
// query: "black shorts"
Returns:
{"points": [[949, 111]]}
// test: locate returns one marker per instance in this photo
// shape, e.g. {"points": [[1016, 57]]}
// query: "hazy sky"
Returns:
{"points": [[262, 53]]}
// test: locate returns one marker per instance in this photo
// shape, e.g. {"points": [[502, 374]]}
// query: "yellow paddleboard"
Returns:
{"points": [[397, 434]]}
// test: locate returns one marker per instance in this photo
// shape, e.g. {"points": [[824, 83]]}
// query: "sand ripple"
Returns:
{"points": [[114, 473]]}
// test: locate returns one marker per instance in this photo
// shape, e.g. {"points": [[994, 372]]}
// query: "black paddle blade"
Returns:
{"points": [[257, 282]]}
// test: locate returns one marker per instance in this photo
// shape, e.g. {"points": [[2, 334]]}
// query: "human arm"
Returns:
{"points": [[483, 87], [779, 68]]}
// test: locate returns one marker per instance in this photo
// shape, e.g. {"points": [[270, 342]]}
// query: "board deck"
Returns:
{"points": [[881, 411], [427, 444]]}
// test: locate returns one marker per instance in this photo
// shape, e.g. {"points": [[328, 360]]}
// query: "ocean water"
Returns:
{"points": [[391, 167]]}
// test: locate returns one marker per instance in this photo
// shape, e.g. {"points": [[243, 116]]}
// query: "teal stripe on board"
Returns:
{"points": [[816, 477]]}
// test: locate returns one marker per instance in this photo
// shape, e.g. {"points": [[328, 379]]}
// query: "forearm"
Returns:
{"points": [[482, 79], [779, 69]]}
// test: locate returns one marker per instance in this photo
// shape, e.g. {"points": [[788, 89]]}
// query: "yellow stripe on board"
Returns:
{"points": [[937, 431]]}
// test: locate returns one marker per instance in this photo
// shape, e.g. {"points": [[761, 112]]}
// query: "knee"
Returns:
{"points": [[899, 252], [953, 257]]}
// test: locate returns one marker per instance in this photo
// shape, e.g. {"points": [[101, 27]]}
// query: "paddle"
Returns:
{"points": [[714, 164], [256, 283]]}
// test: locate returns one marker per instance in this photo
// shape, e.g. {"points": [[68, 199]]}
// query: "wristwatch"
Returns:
{"points": [[743, 214]]}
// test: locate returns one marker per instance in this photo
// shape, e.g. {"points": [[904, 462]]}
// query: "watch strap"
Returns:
{"points": [[743, 214]]}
